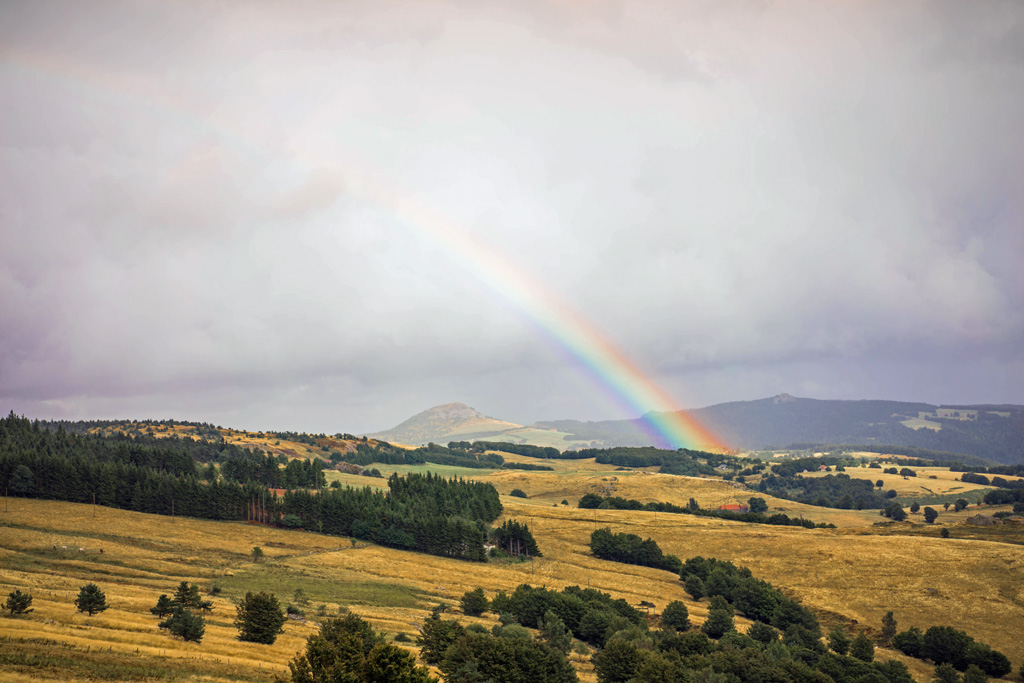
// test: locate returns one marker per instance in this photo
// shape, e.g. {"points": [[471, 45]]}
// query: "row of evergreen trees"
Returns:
{"points": [[426, 513], [515, 539], [592, 501], [631, 549], [256, 467]]}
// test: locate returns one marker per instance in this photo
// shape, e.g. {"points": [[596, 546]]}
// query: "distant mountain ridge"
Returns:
{"points": [[985, 431], [992, 432]]}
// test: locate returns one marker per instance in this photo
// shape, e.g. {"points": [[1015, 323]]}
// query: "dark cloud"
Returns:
{"points": [[207, 211]]}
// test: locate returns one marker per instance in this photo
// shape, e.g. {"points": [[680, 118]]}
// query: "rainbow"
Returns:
{"points": [[631, 388]]}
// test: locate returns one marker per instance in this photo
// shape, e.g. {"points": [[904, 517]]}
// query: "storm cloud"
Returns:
{"points": [[745, 197]]}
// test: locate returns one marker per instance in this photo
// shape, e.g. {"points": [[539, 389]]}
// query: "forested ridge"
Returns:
{"points": [[425, 513]]}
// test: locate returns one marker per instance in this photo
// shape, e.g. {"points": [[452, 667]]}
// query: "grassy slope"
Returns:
{"points": [[944, 487], [974, 585]]}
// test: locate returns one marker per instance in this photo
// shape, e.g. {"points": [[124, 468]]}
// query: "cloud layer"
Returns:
{"points": [[198, 204]]}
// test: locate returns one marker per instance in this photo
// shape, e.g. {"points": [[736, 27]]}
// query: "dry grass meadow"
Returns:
{"points": [[945, 483], [852, 574]]}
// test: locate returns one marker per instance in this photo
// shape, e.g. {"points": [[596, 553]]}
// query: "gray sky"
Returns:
{"points": [[198, 215]]}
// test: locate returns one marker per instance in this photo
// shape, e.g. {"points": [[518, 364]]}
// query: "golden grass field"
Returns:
{"points": [[851, 573]]}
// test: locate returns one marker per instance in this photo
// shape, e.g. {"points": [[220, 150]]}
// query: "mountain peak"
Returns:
{"points": [[783, 398], [443, 423]]}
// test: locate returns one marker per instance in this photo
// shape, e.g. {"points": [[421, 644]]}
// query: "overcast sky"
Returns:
{"points": [[747, 198]]}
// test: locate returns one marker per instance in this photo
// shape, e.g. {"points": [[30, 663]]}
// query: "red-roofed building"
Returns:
{"points": [[734, 507]]}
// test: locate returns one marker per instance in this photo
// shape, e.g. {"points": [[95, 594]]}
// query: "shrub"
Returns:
{"points": [[518, 493], [909, 642]]}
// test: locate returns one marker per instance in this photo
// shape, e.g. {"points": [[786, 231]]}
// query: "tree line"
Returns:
{"points": [[424, 513], [516, 448], [380, 452], [833, 490], [631, 549], [754, 515], [1005, 497], [420, 512]]}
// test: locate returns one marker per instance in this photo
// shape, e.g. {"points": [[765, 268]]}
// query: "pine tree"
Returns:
{"points": [[862, 648], [675, 616], [839, 640], [187, 596], [554, 632], [260, 618], [91, 599], [18, 602], [185, 624], [474, 602], [718, 623], [164, 606], [694, 586], [888, 628], [945, 673]]}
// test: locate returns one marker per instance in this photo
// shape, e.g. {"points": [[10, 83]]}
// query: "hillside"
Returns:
{"points": [[847, 573], [950, 570]]}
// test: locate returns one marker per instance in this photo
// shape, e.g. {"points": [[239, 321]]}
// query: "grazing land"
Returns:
{"points": [[852, 574]]}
